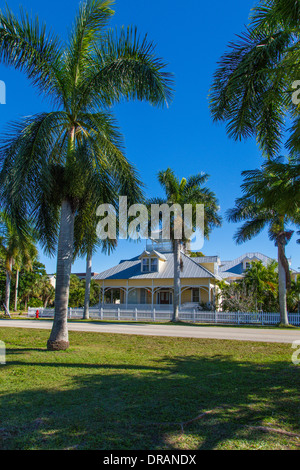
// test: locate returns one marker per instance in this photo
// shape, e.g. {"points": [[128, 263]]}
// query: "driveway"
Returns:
{"points": [[212, 332]]}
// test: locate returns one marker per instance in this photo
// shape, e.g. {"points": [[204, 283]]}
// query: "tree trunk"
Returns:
{"points": [[282, 290], [7, 287], [59, 338], [177, 285], [88, 277], [16, 290]]}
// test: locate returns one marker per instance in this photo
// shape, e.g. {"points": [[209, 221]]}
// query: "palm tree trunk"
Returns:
{"points": [[88, 277], [282, 289], [7, 287], [16, 290], [177, 285], [59, 338]]}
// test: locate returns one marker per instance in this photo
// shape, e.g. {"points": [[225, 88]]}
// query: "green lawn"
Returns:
{"points": [[131, 392]]}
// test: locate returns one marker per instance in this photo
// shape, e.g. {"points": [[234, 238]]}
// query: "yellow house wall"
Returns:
{"points": [[209, 266], [156, 282], [186, 295]]}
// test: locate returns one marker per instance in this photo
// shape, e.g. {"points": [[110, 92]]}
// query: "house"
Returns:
{"points": [[234, 270], [148, 279]]}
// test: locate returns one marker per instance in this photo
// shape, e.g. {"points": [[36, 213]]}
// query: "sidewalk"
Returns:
{"points": [[218, 332]]}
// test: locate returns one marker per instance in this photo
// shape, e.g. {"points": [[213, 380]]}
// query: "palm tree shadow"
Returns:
{"points": [[126, 406]]}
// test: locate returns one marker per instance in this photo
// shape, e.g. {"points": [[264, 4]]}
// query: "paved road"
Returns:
{"points": [[216, 332]]}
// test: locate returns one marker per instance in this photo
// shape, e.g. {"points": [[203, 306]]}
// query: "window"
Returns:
{"points": [[149, 265], [145, 265], [248, 265], [154, 265], [196, 295]]}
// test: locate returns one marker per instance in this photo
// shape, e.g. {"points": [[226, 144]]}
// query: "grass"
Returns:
{"points": [[131, 392]]}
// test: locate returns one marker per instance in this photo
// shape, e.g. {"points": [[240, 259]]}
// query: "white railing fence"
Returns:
{"points": [[163, 314]]}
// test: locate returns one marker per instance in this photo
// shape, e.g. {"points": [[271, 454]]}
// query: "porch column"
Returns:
{"points": [[209, 292], [152, 295], [103, 293], [126, 294]]}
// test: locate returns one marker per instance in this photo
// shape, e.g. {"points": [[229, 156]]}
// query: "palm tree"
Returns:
{"points": [[17, 250], [44, 290], [252, 89], [181, 192], [25, 260], [52, 161], [261, 207]]}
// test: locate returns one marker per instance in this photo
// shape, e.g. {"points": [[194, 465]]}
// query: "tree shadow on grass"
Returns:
{"points": [[126, 406]]}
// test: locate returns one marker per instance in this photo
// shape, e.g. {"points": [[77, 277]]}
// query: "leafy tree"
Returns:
{"points": [[196, 254], [236, 297], [293, 298], [186, 191], [77, 292], [263, 281], [30, 285], [55, 161]]}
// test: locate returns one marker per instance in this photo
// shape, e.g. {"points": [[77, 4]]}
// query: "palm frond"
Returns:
{"points": [[125, 67], [26, 45], [248, 91]]}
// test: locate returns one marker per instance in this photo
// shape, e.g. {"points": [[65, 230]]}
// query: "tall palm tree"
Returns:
{"points": [[181, 192], [252, 89], [261, 206], [51, 161]]}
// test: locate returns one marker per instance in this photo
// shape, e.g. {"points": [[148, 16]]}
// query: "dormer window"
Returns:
{"points": [[150, 261], [149, 265], [145, 265], [154, 265]]}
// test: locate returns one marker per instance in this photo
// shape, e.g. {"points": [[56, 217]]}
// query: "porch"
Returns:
{"points": [[155, 296]]}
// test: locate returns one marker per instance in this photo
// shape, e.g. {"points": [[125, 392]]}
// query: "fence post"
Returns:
{"points": [[154, 314], [101, 313], [119, 314], [238, 316], [194, 316], [136, 314]]}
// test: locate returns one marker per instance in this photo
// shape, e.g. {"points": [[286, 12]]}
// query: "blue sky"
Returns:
{"points": [[191, 37]]}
